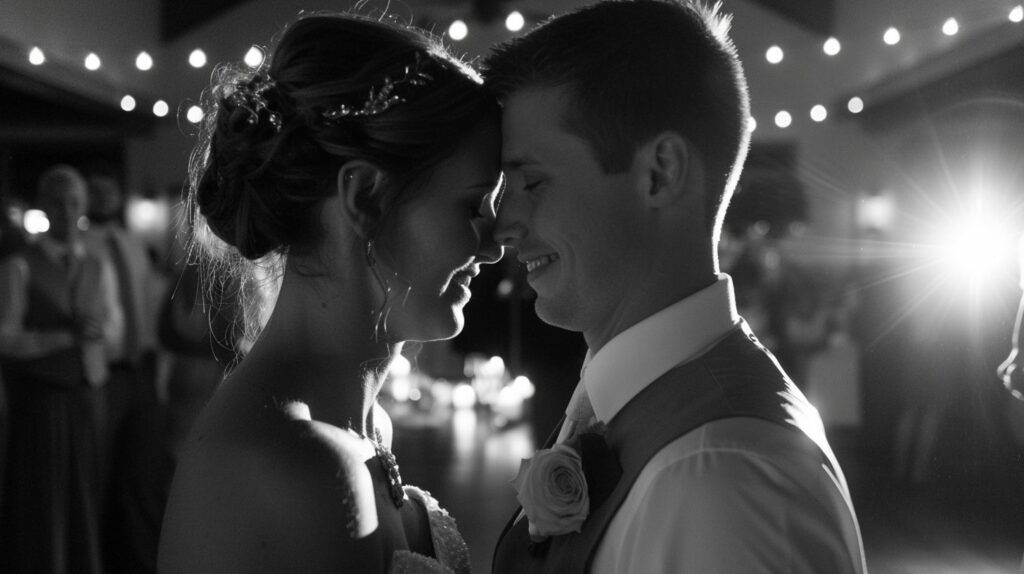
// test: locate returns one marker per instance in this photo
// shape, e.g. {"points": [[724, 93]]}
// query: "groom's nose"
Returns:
{"points": [[510, 227]]}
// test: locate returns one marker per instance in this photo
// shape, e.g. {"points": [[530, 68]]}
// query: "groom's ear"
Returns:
{"points": [[668, 165], [361, 189]]}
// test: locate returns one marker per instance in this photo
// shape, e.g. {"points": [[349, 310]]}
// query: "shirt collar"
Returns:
{"points": [[639, 355]]}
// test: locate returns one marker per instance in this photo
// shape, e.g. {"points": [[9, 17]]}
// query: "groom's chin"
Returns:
{"points": [[553, 313]]}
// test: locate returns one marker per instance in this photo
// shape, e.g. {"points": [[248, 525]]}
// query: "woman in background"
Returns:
{"points": [[55, 302], [358, 167]]}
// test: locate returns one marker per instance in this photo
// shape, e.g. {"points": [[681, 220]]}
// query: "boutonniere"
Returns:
{"points": [[552, 489], [559, 486]]}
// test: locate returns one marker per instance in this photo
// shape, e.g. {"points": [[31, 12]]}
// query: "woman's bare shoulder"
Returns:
{"points": [[295, 494]]}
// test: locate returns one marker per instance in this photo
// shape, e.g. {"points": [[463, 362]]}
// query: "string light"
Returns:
{"points": [[254, 57], [891, 36], [751, 124], [160, 108], [819, 113], [855, 105], [831, 47], [1017, 14], [774, 55], [458, 30], [194, 114], [92, 62], [783, 119], [36, 57], [127, 103], [197, 59], [144, 61], [950, 27], [515, 21], [35, 221]]}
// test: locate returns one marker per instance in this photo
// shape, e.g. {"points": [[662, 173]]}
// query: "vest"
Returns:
{"points": [[737, 377]]}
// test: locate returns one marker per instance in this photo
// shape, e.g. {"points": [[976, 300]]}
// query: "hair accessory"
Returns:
{"points": [[251, 96], [382, 99]]}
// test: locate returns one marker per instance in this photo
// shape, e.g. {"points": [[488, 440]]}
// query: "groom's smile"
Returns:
{"points": [[535, 263], [574, 224]]}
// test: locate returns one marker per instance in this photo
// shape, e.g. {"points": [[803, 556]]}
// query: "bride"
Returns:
{"points": [[362, 161]]}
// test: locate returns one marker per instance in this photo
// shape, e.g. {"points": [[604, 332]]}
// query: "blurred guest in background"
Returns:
{"points": [[881, 338], [55, 302], [126, 254], [1012, 369], [130, 395]]}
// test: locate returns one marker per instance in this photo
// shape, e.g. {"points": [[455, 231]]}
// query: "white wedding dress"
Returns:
{"points": [[452, 554]]}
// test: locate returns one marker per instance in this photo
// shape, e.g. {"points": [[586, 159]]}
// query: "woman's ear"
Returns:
{"points": [[361, 190]]}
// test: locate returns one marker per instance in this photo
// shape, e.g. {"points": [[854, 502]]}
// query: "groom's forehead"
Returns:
{"points": [[530, 118]]}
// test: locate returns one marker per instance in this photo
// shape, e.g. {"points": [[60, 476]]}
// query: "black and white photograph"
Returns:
{"points": [[512, 286]]}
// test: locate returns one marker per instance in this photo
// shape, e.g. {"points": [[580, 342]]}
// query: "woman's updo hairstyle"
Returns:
{"points": [[273, 139], [269, 149]]}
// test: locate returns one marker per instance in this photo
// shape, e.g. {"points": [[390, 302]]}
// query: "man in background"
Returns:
{"points": [[1012, 369]]}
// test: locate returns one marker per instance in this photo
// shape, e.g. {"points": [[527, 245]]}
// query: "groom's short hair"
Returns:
{"points": [[634, 69]]}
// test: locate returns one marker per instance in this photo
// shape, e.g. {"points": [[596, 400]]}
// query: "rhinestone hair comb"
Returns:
{"points": [[251, 96], [384, 98]]}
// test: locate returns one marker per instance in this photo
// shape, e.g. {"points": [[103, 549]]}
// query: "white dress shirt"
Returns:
{"points": [[734, 495]]}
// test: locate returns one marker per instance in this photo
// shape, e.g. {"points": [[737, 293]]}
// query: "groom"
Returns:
{"points": [[625, 130]]}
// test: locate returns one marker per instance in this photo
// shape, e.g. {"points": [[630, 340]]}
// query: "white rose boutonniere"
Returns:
{"points": [[552, 489]]}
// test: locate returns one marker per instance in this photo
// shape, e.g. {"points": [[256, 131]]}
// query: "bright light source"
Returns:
{"points": [[194, 114], [950, 27], [415, 394], [751, 124], [36, 56], [458, 30], [855, 105], [92, 62], [523, 387], [160, 108], [831, 46], [494, 367], [783, 119], [442, 393], [975, 248], [1017, 14], [147, 216], [400, 367], [144, 61], [197, 59], [774, 55], [401, 389], [254, 57], [891, 36], [515, 21], [819, 113], [463, 396], [876, 211], [127, 103], [35, 221]]}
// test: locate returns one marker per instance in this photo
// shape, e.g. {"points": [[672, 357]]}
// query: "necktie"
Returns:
{"points": [[579, 415]]}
